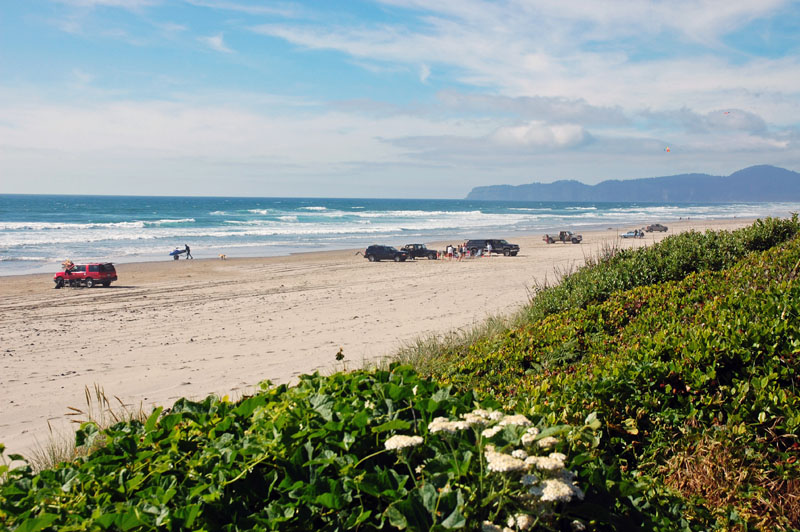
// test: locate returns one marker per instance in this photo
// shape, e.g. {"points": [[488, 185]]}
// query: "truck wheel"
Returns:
{"points": [[575, 240], [89, 282], [474, 252], [507, 252], [59, 282], [371, 258], [551, 240], [397, 258], [106, 284], [431, 256]]}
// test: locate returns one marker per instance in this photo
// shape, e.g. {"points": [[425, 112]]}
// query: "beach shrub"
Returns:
{"points": [[672, 259], [613, 270], [364, 450], [673, 369]]}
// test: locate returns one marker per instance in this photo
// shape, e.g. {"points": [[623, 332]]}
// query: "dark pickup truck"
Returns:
{"points": [[418, 251], [493, 245]]}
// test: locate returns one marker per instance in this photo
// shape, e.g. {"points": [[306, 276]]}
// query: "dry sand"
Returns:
{"points": [[186, 328]]}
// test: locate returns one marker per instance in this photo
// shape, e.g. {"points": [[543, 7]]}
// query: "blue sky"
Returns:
{"points": [[389, 98]]}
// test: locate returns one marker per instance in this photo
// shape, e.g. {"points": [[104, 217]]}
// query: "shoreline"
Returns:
{"points": [[190, 328], [436, 242]]}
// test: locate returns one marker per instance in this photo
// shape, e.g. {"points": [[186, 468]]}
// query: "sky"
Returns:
{"points": [[389, 98]]}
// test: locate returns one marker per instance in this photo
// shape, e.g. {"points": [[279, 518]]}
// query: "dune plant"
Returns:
{"points": [[674, 368], [363, 450]]}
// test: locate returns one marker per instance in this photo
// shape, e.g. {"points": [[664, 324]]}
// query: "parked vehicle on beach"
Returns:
{"points": [[419, 251], [655, 227], [377, 253], [497, 246], [564, 237], [636, 233], [87, 275]]}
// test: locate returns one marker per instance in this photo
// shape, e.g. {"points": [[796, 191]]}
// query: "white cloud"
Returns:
{"points": [[216, 42], [424, 73], [540, 135], [125, 4], [286, 9], [596, 53]]}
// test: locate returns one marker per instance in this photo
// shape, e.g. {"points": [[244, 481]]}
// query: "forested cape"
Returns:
{"points": [[756, 183]]}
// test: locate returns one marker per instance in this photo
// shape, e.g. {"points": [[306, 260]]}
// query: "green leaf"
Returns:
{"points": [[396, 518], [323, 405], [329, 500], [188, 514], [39, 522], [361, 419], [456, 519], [592, 422], [150, 424], [429, 498], [85, 433], [395, 424]]}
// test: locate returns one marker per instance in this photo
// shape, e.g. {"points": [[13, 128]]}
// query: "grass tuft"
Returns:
{"points": [[60, 446]]}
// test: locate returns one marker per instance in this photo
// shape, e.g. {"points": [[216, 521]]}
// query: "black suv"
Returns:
{"points": [[498, 246], [419, 250], [376, 253]]}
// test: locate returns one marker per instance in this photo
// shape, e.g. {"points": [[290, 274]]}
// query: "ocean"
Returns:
{"points": [[37, 232]]}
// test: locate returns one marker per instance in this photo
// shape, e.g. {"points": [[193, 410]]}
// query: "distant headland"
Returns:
{"points": [[753, 184]]}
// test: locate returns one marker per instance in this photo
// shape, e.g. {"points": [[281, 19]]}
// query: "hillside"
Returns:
{"points": [[653, 389], [753, 184]]}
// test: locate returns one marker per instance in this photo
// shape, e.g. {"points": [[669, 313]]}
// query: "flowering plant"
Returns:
{"points": [[361, 450]]}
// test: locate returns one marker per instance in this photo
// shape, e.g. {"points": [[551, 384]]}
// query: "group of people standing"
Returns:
{"points": [[461, 251]]}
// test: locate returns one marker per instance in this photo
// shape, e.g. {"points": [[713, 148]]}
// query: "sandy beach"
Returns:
{"points": [[187, 328]]}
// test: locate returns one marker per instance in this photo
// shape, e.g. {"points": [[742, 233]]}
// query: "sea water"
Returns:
{"points": [[37, 232]]}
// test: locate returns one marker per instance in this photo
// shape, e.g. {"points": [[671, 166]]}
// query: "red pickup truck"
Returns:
{"points": [[87, 274]]}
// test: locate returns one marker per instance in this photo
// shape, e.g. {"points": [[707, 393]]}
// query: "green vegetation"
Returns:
{"points": [[657, 390]]}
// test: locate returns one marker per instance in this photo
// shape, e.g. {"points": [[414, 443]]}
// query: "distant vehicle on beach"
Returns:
{"points": [[419, 251], [563, 236], [497, 246], [87, 275], [655, 227], [636, 233], [377, 253]]}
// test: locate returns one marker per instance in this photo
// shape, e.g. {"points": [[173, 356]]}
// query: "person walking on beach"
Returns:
{"points": [[188, 252], [488, 249]]}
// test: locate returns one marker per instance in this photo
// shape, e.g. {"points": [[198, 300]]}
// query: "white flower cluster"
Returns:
{"points": [[488, 433], [557, 490], [547, 442], [521, 521], [529, 436], [442, 424], [519, 453], [400, 441], [488, 526], [502, 463], [561, 488], [552, 462], [473, 419], [516, 419]]}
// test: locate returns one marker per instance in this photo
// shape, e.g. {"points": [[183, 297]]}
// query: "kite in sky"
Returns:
{"points": [[666, 149]]}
